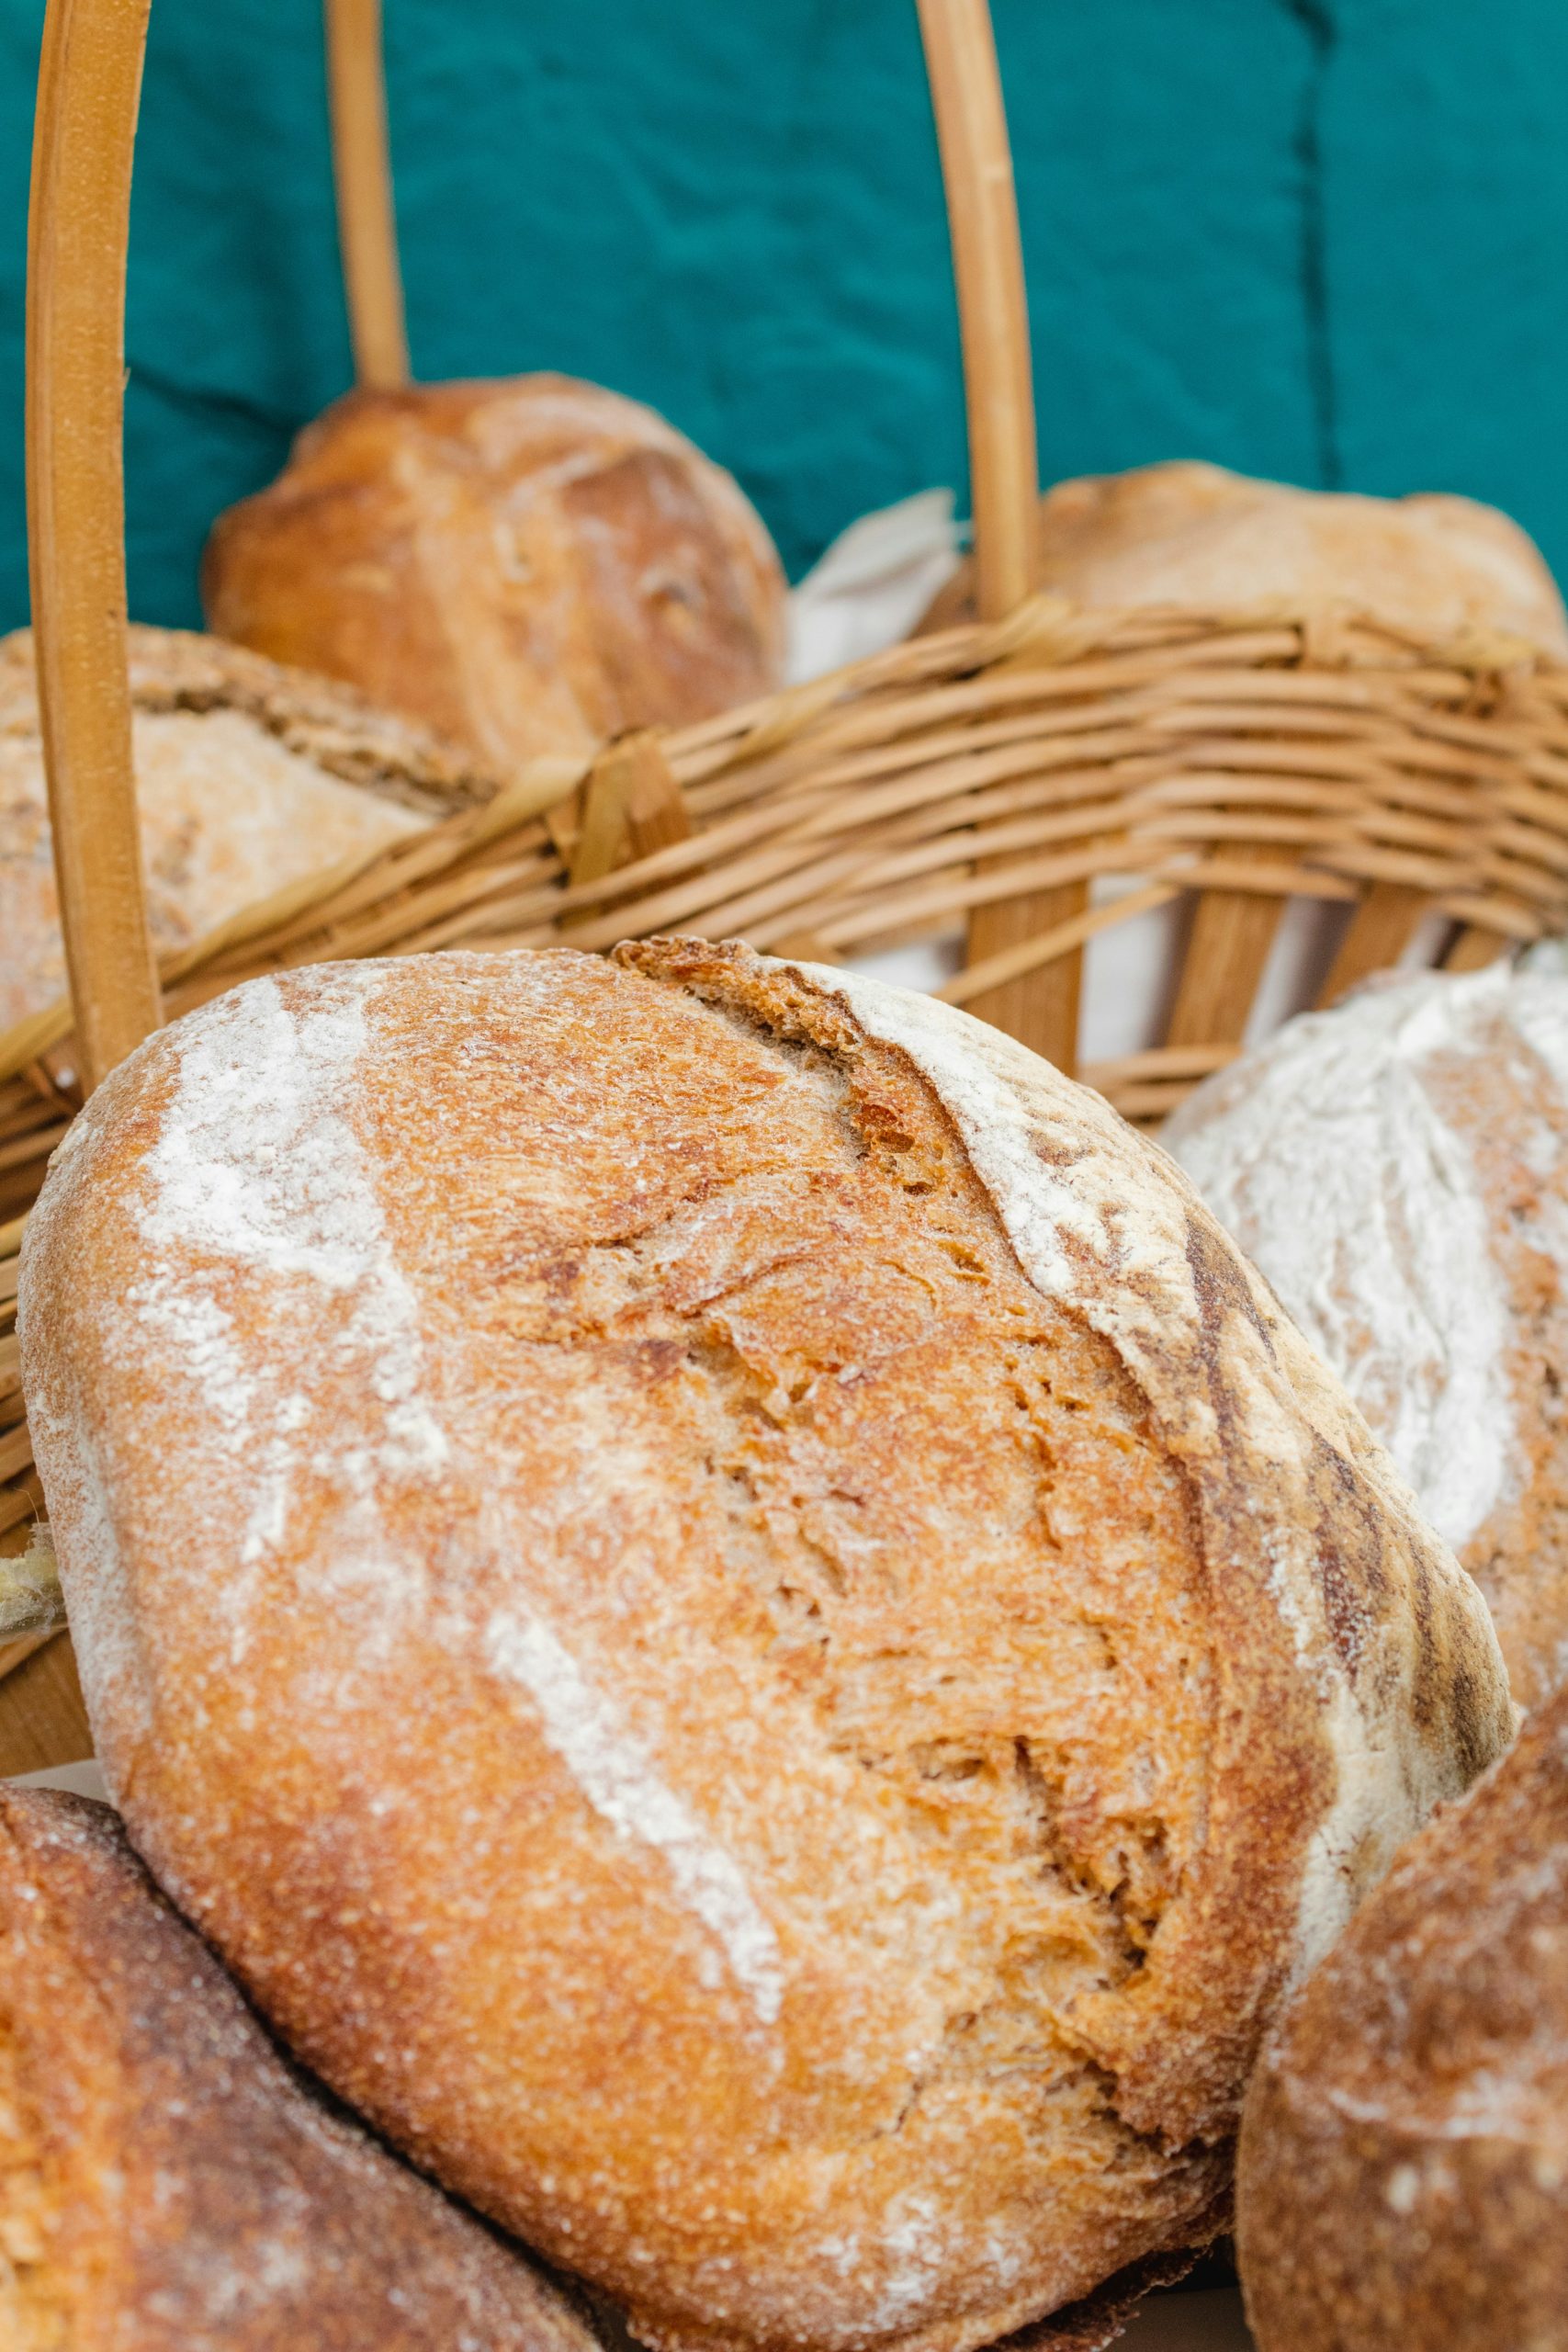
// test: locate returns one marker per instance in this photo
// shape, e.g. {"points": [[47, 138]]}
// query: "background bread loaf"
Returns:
{"points": [[530, 565], [734, 1610], [1398, 1169], [248, 777], [1198, 535], [167, 2183], [1404, 2170]]}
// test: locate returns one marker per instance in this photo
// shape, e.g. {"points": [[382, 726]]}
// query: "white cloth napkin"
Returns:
{"points": [[873, 584]]}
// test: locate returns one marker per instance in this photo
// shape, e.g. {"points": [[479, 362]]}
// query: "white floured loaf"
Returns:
{"points": [[1398, 1169], [735, 1611]]}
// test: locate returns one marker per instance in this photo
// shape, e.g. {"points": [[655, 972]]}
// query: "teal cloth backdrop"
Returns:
{"points": [[1322, 240]]}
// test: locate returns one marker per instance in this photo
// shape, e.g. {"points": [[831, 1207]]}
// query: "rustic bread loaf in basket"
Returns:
{"points": [[518, 1428]]}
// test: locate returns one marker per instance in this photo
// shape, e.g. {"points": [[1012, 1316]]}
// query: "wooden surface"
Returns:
{"points": [[362, 170], [1226, 950], [42, 1719], [89, 77], [1041, 1005], [1473, 949], [1379, 930]]}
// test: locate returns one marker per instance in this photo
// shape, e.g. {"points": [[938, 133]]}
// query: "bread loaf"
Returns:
{"points": [[1196, 536], [530, 565], [248, 777], [167, 2183], [1398, 1169], [731, 1605], [1404, 2170]]}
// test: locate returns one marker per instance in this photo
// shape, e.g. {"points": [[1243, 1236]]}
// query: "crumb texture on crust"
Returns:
{"points": [[531, 564], [249, 777], [898, 1650], [167, 2183], [1395, 1168], [1404, 2170]]}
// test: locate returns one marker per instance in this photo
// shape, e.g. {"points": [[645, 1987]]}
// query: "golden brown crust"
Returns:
{"points": [[167, 2184], [1196, 536], [1404, 2170], [878, 1716], [321, 720], [532, 565], [249, 777]]}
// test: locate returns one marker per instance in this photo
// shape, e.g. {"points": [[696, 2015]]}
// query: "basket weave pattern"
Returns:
{"points": [[1242, 757]]}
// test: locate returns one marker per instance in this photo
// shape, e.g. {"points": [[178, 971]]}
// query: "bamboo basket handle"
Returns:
{"points": [[993, 314], [85, 134], [78, 225], [362, 172], [961, 61], [1038, 1004]]}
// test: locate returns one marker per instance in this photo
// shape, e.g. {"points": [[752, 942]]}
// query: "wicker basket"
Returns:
{"points": [[1035, 779]]}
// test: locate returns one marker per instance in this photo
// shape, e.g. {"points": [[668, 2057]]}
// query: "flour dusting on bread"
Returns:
{"points": [[1394, 1167], [619, 1781], [255, 1162], [805, 1810]]}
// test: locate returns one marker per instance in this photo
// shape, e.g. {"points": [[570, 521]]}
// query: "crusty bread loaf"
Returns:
{"points": [[531, 565], [167, 2183], [248, 777], [1404, 2170], [730, 1602], [1196, 536], [1398, 1169]]}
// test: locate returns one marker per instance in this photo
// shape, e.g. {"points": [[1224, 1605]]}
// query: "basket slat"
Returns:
{"points": [[362, 172], [1380, 932], [1474, 948], [1040, 1004], [1227, 949]]}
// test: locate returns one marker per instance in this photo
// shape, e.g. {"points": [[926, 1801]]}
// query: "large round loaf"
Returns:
{"points": [[1404, 2170], [1398, 1169], [732, 1606], [530, 564], [168, 2182]]}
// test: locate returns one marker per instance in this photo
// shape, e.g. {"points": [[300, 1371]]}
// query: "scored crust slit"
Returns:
{"points": [[736, 1612]]}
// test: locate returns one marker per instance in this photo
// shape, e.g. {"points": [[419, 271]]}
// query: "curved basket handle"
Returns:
{"points": [[993, 313], [961, 63], [362, 172], [83, 138], [78, 222]]}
